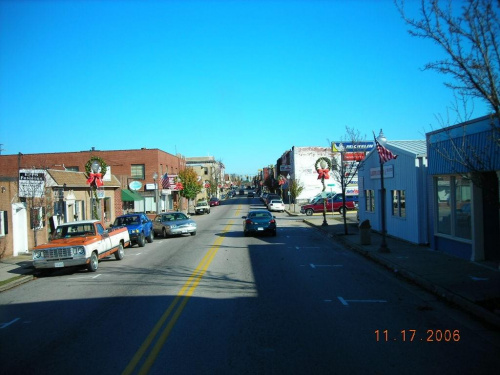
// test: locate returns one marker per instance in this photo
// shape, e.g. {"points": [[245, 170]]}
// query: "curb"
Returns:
{"points": [[17, 281], [442, 293]]}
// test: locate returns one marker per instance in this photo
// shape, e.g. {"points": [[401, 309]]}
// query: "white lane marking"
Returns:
{"points": [[345, 302], [84, 277], [325, 265], [5, 325]]}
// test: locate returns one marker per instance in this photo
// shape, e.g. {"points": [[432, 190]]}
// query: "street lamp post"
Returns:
{"points": [[289, 195], [155, 177]]}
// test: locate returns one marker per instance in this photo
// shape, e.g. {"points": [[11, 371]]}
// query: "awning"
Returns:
{"points": [[130, 196]]}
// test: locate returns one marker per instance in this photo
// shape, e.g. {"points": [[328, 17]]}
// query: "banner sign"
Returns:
{"points": [[353, 146], [31, 183]]}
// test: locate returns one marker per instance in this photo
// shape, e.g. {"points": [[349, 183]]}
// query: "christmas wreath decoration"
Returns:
{"points": [[95, 178], [323, 166]]}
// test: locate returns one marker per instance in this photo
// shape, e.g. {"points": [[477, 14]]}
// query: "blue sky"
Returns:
{"points": [[242, 81]]}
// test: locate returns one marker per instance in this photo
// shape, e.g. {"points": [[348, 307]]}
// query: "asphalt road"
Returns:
{"points": [[222, 303]]}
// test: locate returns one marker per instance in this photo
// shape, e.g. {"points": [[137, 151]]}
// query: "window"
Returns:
{"points": [[137, 171], [398, 203], [73, 169], [370, 200], [3, 223], [454, 206]]}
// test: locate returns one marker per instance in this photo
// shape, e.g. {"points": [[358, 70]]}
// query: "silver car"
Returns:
{"points": [[173, 223]]}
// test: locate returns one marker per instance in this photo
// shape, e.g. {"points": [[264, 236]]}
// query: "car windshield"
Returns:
{"points": [[67, 231], [174, 216], [127, 220], [276, 201], [201, 204]]}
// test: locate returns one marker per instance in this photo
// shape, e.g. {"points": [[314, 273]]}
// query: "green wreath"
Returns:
{"points": [[102, 164], [325, 159]]}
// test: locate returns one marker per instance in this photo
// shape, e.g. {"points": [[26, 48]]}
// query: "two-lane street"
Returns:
{"points": [[223, 303]]}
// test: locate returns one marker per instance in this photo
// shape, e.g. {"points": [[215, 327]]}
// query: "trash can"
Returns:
{"points": [[365, 232]]}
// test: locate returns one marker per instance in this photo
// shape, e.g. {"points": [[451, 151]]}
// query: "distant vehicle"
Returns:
{"points": [[242, 192], [139, 226], [214, 201], [173, 223], [250, 194], [202, 207], [276, 205], [270, 197], [259, 221]]}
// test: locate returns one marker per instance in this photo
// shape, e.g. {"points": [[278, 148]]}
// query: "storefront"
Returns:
{"points": [[464, 175]]}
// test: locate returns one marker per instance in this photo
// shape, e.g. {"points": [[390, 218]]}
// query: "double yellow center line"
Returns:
{"points": [[178, 305]]}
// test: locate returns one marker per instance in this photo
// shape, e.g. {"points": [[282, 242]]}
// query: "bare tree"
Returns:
{"points": [[347, 161], [470, 38]]}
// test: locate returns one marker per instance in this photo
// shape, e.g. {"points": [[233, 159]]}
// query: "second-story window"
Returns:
{"points": [[137, 171]]}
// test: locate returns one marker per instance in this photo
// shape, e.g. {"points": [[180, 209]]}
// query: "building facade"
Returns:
{"points": [[464, 175]]}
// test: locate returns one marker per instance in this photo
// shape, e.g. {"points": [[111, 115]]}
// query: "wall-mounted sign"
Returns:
{"points": [[388, 172], [352, 146], [135, 185], [31, 183], [285, 168]]}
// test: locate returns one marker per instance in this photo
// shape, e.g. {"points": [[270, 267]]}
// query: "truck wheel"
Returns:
{"points": [[94, 262], [141, 241], [150, 237], [309, 212], [342, 210], [120, 253]]}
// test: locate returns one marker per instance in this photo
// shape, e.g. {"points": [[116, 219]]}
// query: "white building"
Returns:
{"points": [[406, 208]]}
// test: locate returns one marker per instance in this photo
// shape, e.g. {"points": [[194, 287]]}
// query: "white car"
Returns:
{"points": [[276, 205]]}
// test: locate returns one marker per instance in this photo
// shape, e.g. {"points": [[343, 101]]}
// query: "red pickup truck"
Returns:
{"points": [[332, 204]]}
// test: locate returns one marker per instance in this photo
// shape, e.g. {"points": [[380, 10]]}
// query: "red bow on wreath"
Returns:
{"points": [[95, 178], [323, 173]]}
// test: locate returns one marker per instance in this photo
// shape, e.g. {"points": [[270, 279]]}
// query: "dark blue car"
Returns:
{"points": [[140, 227]]}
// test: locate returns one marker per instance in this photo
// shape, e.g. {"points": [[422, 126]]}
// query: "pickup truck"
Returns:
{"points": [[140, 227], [332, 204], [202, 207], [81, 243]]}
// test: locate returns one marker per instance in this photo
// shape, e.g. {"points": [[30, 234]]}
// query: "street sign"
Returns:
{"points": [[331, 185]]}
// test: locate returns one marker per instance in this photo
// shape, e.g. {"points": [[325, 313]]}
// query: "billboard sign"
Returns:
{"points": [[357, 147]]}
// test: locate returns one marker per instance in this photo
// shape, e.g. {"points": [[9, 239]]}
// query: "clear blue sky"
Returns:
{"points": [[242, 81]]}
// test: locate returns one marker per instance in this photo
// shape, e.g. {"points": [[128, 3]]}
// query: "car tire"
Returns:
{"points": [[141, 241], [94, 262], [274, 233], [150, 238], [164, 233], [193, 233], [342, 210], [120, 253], [309, 212], [245, 233]]}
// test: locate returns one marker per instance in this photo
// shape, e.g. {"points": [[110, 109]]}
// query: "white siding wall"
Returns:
{"points": [[412, 227]]}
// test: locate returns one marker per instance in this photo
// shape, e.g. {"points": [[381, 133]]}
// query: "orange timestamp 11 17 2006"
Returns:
{"points": [[411, 335]]}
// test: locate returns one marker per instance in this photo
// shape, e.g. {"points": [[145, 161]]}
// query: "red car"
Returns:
{"points": [[351, 203], [214, 202]]}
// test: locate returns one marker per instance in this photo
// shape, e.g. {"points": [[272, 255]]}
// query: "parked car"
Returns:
{"points": [[173, 223], [202, 207], [332, 204], [139, 226], [250, 194], [214, 201], [259, 221], [276, 205], [242, 192], [270, 197]]}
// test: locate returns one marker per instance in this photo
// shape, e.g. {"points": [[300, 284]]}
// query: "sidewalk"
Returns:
{"points": [[472, 286]]}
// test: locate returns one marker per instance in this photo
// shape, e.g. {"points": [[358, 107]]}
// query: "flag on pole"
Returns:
{"points": [[164, 183], [383, 153]]}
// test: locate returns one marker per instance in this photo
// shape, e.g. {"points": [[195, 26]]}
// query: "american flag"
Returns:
{"points": [[164, 181], [383, 153]]}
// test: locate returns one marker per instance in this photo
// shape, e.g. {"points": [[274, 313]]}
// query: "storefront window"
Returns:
{"points": [[462, 207], [454, 206], [443, 204]]}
